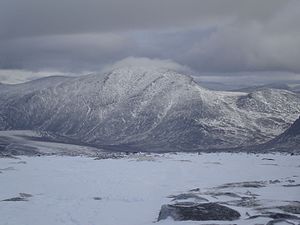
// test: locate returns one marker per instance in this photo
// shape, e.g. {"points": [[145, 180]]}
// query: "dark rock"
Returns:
{"points": [[268, 159], [229, 194], [220, 224], [195, 190], [15, 199], [214, 163], [25, 195], [248, 202], [22, 197], [97, 198], [197, 212], [269, 164], [280, 221], [249, 193], [276, 216], [282, 216], [292, 208], [247, 184], [7, 168], [109, 155], [187, 196], [274, 181], [19, 162], [184, 160], [291, 181], [291, 185]]}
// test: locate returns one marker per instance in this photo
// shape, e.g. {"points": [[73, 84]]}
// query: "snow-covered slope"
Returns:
{"points": [[146, 109], [288, 141], [31, 86], [131, 190]]}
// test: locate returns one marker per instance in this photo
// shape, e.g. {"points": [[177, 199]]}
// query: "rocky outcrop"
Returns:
{"points": [[197, 212]]}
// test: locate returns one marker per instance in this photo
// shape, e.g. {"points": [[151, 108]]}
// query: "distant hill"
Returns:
{"points": [[294, 87]]}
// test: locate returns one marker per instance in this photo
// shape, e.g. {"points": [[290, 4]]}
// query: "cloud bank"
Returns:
{"points": [[209, 36]]}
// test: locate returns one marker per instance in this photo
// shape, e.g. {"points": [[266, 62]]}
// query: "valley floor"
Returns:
{"points": [[62, 190]]}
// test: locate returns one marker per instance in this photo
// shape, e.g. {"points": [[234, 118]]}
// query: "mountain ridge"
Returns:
{"points": [[146, 109]]}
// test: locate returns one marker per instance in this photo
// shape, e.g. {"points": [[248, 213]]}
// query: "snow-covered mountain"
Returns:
{"points": [[146, 109]]}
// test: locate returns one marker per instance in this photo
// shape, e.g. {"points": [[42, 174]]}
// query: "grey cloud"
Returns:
{"points": [[236, 49], [211, 36], [64, 52], [34, 17]]}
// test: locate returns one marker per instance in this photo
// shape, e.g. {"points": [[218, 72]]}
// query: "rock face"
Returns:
{"points": [[197, 212], [142, 109]]}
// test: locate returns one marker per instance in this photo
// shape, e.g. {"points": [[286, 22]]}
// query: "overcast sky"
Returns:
{"points": [[225, 38]]}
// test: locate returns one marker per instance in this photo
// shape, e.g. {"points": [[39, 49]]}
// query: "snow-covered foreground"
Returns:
{"points": [[131, 190]]}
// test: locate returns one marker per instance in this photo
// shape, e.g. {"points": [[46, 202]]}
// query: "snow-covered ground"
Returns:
{"points": [[131, 190]]}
